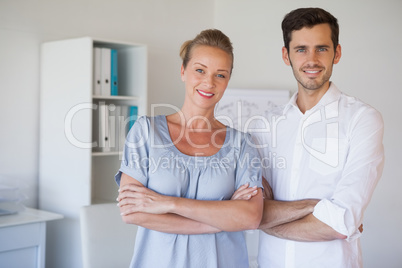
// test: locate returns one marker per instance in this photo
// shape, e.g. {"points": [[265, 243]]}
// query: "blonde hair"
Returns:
{"points": [[210, 37]]}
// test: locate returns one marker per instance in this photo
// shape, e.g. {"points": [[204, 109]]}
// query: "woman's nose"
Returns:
{"points": [[209, 81]]}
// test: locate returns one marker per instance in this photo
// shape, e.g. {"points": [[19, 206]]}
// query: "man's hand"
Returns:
{"points": [[267, 193]]}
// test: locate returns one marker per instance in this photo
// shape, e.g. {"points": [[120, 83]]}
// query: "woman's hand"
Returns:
{"points": [[135, 198], [244, 192]]}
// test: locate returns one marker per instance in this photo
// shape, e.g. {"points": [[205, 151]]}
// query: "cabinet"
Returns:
{"points": [[23, 238], [71, 175]]}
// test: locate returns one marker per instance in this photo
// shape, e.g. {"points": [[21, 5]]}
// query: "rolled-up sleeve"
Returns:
{"points": [[362, 171], [135, 160], [248, 167]]}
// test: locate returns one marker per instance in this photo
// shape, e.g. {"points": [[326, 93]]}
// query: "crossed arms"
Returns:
{"points": [[341, 215], [144, 207], [294, 220], [290, 220]]}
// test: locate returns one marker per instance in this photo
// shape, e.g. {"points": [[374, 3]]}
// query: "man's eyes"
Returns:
{"points": [[303, 50]]}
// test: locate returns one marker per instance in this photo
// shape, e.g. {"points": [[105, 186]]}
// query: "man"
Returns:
{"points": [[331, 152]]}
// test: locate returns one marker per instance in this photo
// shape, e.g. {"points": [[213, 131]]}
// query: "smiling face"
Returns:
{"points": [[206, 76], [312, 55]]}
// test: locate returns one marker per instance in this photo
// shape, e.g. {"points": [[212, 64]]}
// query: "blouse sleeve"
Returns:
{"points": [[135, 161], [248, 166]]}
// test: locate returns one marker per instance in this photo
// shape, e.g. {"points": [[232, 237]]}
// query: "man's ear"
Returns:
{"points": [[285, 56], [182, 73], [338, 54]]}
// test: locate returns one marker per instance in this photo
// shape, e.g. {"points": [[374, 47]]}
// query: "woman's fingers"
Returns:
{"points": [[134, 198], [239, 191], [133, 191], [129, 194], [244, 192], [126, 210], [132, 187]]}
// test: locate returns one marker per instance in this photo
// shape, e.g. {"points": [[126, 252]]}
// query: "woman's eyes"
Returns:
{"points": [[201, 71]]}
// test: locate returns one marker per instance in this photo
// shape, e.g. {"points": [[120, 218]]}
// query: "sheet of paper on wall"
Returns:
{"points": [[238, 107]]}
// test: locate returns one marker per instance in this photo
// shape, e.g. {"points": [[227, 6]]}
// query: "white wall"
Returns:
{"points": [[369, 69], [24, 25]]}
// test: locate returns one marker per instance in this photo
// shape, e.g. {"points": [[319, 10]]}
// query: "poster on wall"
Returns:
{"points": [[238, 107]]}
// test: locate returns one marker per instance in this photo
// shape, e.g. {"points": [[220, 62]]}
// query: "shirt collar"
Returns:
{"points": [[333, 94], [291, 103]]}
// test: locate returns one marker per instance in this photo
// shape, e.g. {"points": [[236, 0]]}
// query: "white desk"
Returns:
{"points": [[23, 238]]}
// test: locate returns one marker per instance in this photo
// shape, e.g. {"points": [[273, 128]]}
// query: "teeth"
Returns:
{"points": [[205, 94], [311, 72]]}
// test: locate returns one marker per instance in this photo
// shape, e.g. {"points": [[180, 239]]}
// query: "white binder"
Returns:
{"points": [[97, 67]]}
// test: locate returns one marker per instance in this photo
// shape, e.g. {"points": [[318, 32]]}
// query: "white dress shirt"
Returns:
{"points": [[332, 152]]}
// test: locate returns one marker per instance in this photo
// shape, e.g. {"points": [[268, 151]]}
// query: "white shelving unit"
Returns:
{"points": [[71, 174]]}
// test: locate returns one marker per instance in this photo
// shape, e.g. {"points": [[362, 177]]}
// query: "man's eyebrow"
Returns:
{"points": [[300, 47], [324, 46], [317, 46]]}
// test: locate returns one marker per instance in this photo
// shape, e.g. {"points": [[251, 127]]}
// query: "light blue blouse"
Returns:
{"points": [[151, 158]]}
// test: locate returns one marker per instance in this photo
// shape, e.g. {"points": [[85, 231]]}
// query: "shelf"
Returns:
{"points": [[96, 97], [92, 177], [105, 153]]}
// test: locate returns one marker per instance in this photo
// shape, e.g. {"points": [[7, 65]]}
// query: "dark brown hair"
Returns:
{"points": [[308, 17]]}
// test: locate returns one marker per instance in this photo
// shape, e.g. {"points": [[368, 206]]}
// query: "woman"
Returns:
{"points": [[180, 171]]}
